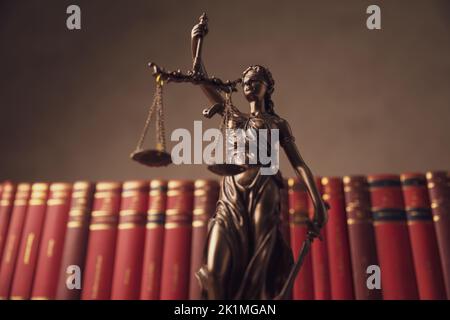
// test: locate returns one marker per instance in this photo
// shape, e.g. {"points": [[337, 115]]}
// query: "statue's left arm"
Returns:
{"points": [[303, 172]]}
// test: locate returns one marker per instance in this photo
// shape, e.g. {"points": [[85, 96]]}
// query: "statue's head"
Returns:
{"points": [[258, 84]]}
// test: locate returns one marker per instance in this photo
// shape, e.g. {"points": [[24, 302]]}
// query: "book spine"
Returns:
{"points": [[284, 208], [2, 239], [361, 235], [154, 241], [99, 266], [177, 241], [8, 262], [427, 264], [6, 207], [298, 215], [337, 240], [392, 239], [76, 239], [319, 257], [29, 244], [130, 241], [439, 192], [206, 195], [52, 242]]}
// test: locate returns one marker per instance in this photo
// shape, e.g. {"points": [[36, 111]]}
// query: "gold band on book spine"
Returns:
{"points": [[8, 187], [206, 194], [351, 221], [24, 187], [7, 196], [157, 204], [81, 205], [357, 198], [40, 186], [332, 187], [158, 183], [60, 186], [60, 194], [39, 194], [82, 185], [20, 202], [108, 186], [177, 184], [135, 185], [105, 216], [134, 205], [180, 195]]}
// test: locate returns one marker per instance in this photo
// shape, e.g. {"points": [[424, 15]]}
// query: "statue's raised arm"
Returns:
{"points": [[198, 33], [212, 86]]}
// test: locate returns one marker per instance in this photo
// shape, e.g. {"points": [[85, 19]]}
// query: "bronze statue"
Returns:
{"points": [[246, 256]]}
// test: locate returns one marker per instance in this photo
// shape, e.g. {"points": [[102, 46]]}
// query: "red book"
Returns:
{"points": [[130, 241], [398, 279], [1, 241], [7, 192], [319, 257], [361, 235], [206, 195], [439, 191], [52, 242], [285, 225], [298, 212], [154, 241], [29, 244], [337, 240], [427, 264], [76, 239], [177, 241], [99, 267], [8, 262]]}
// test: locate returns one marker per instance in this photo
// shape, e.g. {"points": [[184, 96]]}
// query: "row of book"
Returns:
{"points": [[145, 239]]}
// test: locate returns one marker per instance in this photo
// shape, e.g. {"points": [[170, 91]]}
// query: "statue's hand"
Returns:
{"points": [[319, 221], [199, 31], [314, 229]]}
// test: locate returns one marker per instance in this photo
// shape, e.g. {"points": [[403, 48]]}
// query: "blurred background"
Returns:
{"points": [[359, 101]]}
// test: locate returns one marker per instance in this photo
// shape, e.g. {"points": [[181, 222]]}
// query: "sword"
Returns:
{"points": [[313, 232]]}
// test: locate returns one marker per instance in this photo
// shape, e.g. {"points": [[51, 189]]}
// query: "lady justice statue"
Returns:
{"points": [[246, 256]]}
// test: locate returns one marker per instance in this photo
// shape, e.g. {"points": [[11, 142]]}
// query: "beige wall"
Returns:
{"points": [[73, 103]]}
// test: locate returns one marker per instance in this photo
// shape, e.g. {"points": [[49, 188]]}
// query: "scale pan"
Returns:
{"points": [[152, 158], [227, 169]]}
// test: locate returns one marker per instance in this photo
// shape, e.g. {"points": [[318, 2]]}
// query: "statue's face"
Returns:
{"points": [[254, 86]]}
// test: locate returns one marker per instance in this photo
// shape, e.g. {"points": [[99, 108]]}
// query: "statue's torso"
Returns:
{"points": [[239, 120]]}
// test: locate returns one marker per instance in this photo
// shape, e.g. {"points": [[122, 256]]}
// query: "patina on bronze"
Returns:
{"points": [[246, 256]]}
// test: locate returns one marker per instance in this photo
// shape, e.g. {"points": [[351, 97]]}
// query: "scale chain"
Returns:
{"points": [[160, 130], [149, 116]]}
